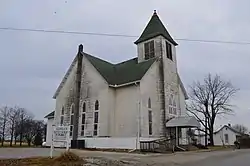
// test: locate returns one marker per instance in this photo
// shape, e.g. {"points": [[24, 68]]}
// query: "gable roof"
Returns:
{"points": [[65, 77], [230, 128], [50, 115], [155, 28], [115, 74], [121, 73]]}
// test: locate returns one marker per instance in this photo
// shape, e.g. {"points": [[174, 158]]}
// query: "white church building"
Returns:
{"points": [[122, 104]]}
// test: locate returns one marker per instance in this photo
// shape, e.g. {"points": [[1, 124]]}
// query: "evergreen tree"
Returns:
{"points": [[38, 139]]}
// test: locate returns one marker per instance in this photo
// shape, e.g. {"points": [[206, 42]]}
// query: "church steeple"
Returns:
{"points": [[155, 28]]}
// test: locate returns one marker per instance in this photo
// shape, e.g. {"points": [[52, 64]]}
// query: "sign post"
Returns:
{"points": [[52, 142], [67, 139]]}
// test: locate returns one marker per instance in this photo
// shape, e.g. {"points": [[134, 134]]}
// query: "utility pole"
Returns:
{"points": [[77, 91]]}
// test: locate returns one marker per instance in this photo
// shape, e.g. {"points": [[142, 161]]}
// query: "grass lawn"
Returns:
{"points": [[7, 144]]}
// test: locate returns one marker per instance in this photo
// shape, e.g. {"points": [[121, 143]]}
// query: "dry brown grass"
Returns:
{"points": [[68, 157], [65, 159]]}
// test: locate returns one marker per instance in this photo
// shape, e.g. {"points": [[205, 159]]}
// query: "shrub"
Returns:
{"points": [[38, 139], [200, 146]]}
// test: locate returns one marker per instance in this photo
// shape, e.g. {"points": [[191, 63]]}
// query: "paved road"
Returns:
{"points": [[27, 152], [236, 159], [216, 158]]}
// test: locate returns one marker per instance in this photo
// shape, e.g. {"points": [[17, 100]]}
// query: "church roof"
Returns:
{"points": [[155, 28], [121, 73], [50, 115], [115, 74]]}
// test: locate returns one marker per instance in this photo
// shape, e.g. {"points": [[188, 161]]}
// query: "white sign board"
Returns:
{"points": [[61, 133]]}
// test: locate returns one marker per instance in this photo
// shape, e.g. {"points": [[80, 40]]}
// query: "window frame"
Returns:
{"points": [[96, 118], [97, 105], [61, 120], [95, 131], [149, 50], [226, 136], [150, 117], [169, 51], [83, 119], [150, 122], [84, 107], [72, 110], [62, 116], [83, 130], [172, 104], [149, 103], [71, 130]]}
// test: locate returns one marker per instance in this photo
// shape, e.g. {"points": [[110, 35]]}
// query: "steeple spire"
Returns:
{"points": [[155, 28]]}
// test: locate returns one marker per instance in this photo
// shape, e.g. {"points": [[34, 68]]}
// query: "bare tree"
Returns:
{"points": [[210, 99], [31, 128], [240, 128], [4, 115], [17, 124], [14, 114], [19, 127]]}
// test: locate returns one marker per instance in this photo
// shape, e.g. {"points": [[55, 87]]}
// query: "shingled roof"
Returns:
{"points": [[121, 73], [115, 74], [155, 28], [50, 115]]}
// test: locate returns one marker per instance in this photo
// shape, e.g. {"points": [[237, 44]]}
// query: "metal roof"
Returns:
{"points": [[183, 121]]}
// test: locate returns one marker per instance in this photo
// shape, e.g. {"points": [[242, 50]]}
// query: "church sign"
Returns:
{"points": [[61, 133]]}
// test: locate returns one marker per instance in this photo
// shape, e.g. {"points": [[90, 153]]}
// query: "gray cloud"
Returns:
{"points": [[32, 64]]}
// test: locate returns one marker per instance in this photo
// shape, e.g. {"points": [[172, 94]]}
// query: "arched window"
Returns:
{"points": [[96, 105], [84, 107], [149, 103], [62, 111], [150, 117]]}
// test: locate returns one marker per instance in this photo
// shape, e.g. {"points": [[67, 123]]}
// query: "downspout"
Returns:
{"points": [[137, 147], [78, 89]]}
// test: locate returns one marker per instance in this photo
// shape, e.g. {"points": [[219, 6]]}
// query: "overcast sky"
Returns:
{"points": [[32, 63]]}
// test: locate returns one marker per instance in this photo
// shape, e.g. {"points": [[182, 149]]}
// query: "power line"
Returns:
{"points": [[118, 35], [215, 41], [66, 32]]}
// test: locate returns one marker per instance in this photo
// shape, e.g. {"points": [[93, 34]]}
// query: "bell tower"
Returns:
{"points": [[155, 40]]}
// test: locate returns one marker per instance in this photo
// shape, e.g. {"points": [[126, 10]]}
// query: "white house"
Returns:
{"points": [[226, 135], [50, 121], [129, 101]]}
